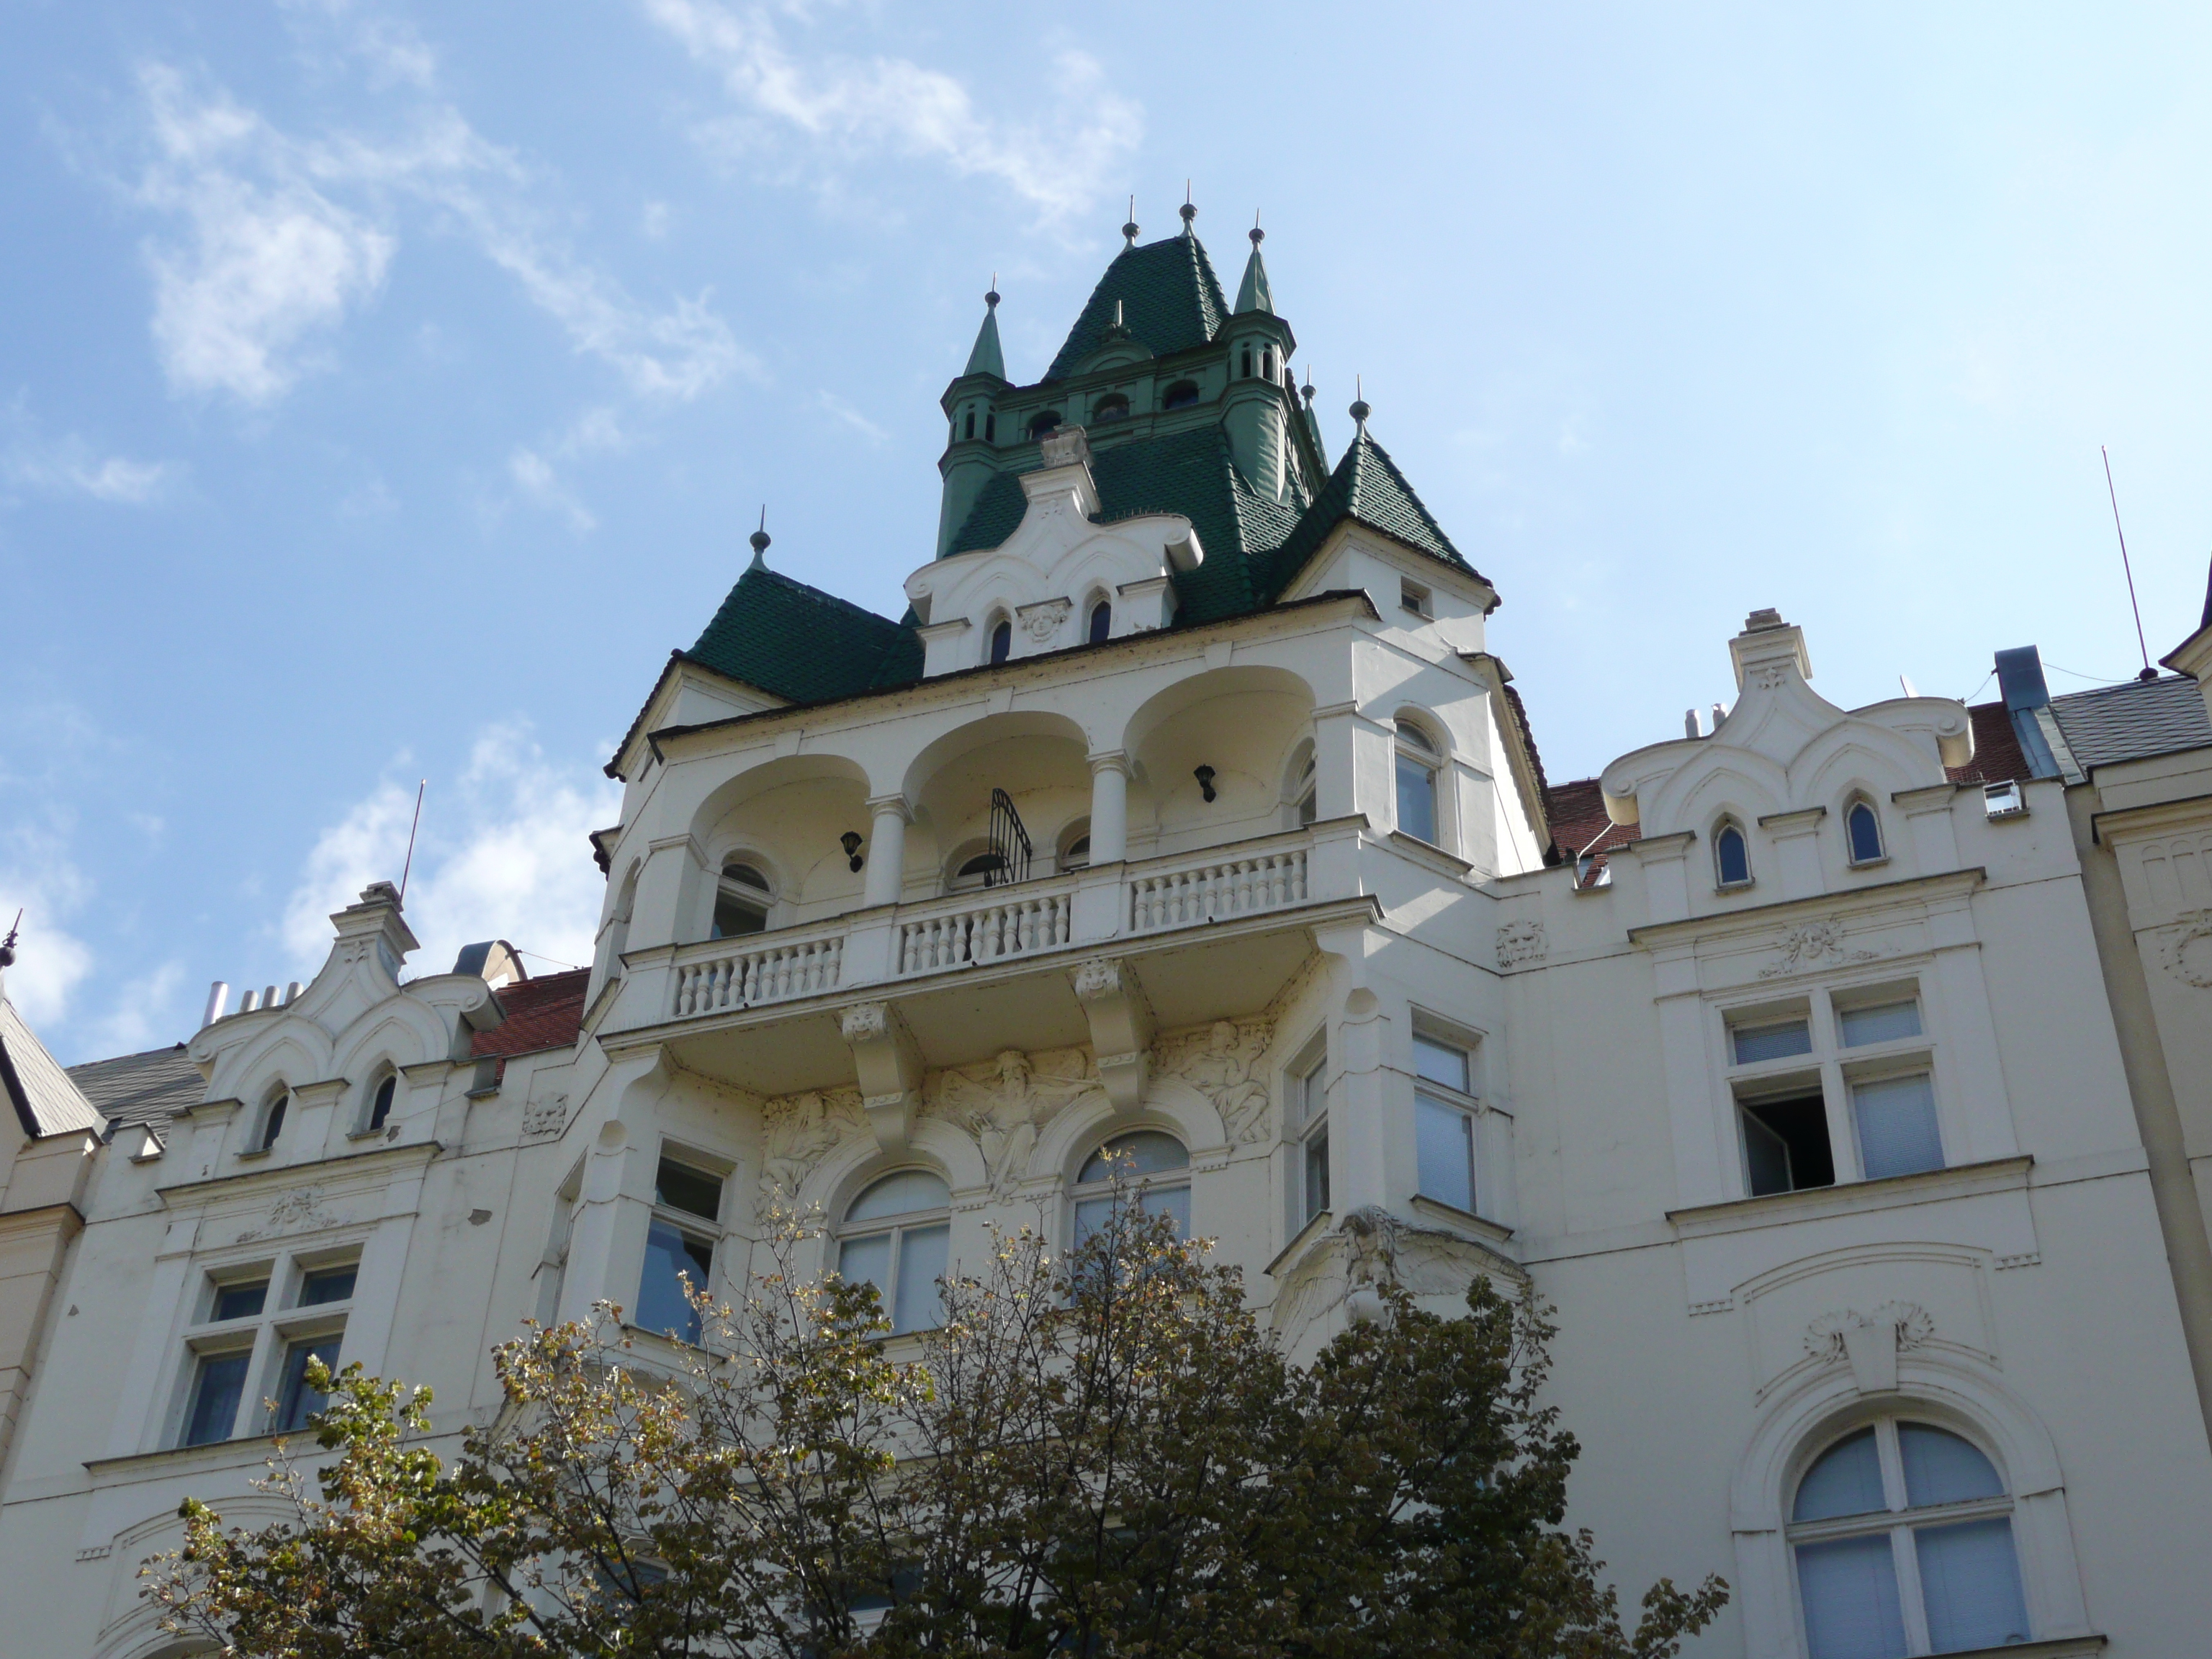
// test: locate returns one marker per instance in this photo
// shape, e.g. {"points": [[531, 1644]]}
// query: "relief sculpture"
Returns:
{"points": [[1223, 1064], [801, 1131], [1006, 1104]]}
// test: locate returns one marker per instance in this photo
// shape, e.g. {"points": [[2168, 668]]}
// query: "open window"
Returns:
{"points": [[1111, 407], [1099, 626], [1001, 639], [381, 1100], [679, 1246], [273, 1111], [1181, 395]]}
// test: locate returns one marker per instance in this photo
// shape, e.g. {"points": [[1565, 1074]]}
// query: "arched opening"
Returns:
{"points": [[1002, 639], [1245, 364], [978, 789], [1241, 723], [1731, 855], [1153, 1161], [1111, 407], [1044, 425], [272, 1118], [1902, 1533], [971, 423], [1268, 366], [381, 1103], [1420, 760], [1073, 852], [1099, 627], [743, 898], [897, 1236], [990, 428], [1863, 832], [1181, 395]]}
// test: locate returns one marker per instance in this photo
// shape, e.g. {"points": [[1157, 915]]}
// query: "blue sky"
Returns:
{"points": [[385, 388]]}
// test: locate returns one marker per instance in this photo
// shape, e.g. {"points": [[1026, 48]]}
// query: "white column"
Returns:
{"points": [[886, 850], [1109, 808]]}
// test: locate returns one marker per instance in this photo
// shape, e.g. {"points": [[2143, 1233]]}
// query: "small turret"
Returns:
{"points": [[1252, 293], [987, 358]]}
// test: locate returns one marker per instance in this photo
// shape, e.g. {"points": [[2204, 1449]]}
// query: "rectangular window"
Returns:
{"points": [[218, 1384], [296, 1399], [1417, 800], [679, 1187], [1885, 1021], [1439, 1062], [323, 1285], [239, 1301], [673, 1255], [1896, 1121], [1444, 1140], [1312, 1103], [1413, 597], [1785, 1143], [1777, 1041]]}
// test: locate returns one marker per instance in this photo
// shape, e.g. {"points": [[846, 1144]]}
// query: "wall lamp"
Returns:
{"points": [[850, 841], [1205, 776]]}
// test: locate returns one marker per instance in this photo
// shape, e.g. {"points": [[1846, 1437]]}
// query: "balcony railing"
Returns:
{"points": [[1000, 924]]}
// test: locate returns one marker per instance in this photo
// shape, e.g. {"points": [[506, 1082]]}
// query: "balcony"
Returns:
{"points": [[1212, 930]]}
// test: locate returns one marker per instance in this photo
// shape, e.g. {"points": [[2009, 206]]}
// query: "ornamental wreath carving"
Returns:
{"points": [[1520, 943], [1816, 945]]}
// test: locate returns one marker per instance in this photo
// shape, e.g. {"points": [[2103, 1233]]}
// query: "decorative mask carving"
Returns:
{"points": [[1520, 943]]}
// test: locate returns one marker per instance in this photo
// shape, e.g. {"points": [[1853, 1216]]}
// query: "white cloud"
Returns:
{"points": [[837, 407], [284, 237], [38, 878], [534, 476], [861, 107], [502, 854], [69, 465], [143, 1016]]}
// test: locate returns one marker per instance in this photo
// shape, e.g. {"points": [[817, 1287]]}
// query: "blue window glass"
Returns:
{"points": [[1101, 622], [240, 1301], [216, 1390], [296, 1399], [1732, 855], [671, 1256], [1865, 833], [327, 1285], [1002, 642]]}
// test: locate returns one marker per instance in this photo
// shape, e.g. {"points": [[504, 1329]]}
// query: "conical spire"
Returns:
{"points": [[987, 358], [1252, 293]]}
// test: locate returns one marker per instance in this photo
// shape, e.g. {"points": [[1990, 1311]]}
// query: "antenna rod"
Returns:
{"points": [[2148, 673], [407, 868]]}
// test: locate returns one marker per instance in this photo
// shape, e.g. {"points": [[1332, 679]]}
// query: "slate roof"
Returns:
{"points": [[1171, 301], [1367, 486], [143, 1088], [46, 1101], [802, 645], [2133, 720], [546, 1012]]}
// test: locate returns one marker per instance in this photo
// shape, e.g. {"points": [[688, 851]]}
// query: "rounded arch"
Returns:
{"points": [[857, 1164], [1088, 1121], [295, 1052], [1179, 394], [1883, 759], [708, 819], [1114, 406], [400, 1032], [965, 740], [1735, 780]]}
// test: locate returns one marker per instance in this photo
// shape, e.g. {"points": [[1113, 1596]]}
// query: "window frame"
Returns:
{"points": [[997, 627], [1899, 1522], [381, 1098], [1833, 1066], [1306, 1080], [1092, 633], [1853, 805], [1466, 1104], [1080, 1192], [689, 1224], [1431, 756], [1416, 599], [897, 1226], [1723, 827], [265, 1336], [767, 899], [271, 1120]]}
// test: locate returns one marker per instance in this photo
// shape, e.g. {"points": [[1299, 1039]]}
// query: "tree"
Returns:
{"points": [[1104, 1453]]}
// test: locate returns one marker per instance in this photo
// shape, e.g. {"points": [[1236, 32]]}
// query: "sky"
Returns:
{"points": [[386, 388]]}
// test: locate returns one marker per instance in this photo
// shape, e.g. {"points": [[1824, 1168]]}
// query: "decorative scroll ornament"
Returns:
{"points": [[1816, 945], [1520, 943], [1870, 1342], [1223, 1064], [1768, 676], [2188, 955]]}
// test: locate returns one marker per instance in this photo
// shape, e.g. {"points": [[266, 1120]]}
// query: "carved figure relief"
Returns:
{"points": [[801, 1131], [299, 1210], [1816, 945], [1520, 943], [1006, 1104], [1221, 1063], [1040, 622]]}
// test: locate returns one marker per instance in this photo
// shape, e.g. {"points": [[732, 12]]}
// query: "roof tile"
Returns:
{"points": [[1171, 301]]}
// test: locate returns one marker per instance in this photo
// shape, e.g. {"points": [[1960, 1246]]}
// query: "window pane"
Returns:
{"points": [[1865, 833], [1885, 1024], [660, 1302], [1777, 1042], [1940, 1467], [1313, 1095], [382, 1108], [1846, 1480], [923, 1253], [240, 1301], [1146, 1153], [1317, 1173], [1440, 1062], [682, 1188], [1970, 1579], [327, 1285], [1415, 737], [1309, 807], [1766, 1158], [903, 1194], [1417, 800], [215, 1393], [1444, 1139], [1174, 1202], [1897, 1126], [294, 1398], [736, 917], [1734, 854], [745, 876], [1092, 1215], [868, 1261], [1851, 1609]]}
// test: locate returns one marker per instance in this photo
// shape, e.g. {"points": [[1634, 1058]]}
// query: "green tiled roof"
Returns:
{"points": [[799, 643], [1171, 301], [1366, 486]]}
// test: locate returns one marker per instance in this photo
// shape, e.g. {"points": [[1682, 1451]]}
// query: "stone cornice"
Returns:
{"points": [[346, 1165], [1875, 896]]}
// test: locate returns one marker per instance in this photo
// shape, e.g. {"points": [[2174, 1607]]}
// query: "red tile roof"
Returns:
{"points": [[546, 1012], [1997, 758], [1579, 824]]}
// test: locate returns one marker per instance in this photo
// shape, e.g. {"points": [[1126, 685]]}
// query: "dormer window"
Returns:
{"points": [[379, 1113], [742, 898], [1415, 598], [1731, 856], [1863, 830], [1112, 407], [1101, 625], [1044, 425], [1181, 395], [1002, 640]]}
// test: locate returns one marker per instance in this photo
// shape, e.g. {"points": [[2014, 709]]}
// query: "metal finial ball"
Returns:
{"points": [[1188, 211], [1359, 410], [1307, 390], [1129, 230], [759, 539], [991, 299], [1257, 235]]}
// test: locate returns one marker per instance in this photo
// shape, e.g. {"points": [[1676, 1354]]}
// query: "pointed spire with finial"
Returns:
{"points": [[1252, 293], [759, 539], [1189, 213], [1359, 410], [1129, 229], [1313, 418], [987, 358]]}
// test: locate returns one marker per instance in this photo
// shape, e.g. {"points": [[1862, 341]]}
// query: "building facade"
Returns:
{"points": [[1837, 1075]]}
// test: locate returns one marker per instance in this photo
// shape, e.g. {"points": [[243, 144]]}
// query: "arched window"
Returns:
{"points": [[742, 898], [1731, 856], [379, 1111], [1101, 625], [1903, 1536], [1245, 364], [1074, 846], [1002, 639], [971, 423], [897, 1236], [975, 871], [1044, 425], [1155, 1161], [990, 428], [1111, 407], [272, 1118], [1267, 365], [1863, 830], [1417, 763], [1305, 789], [1181, 395]]}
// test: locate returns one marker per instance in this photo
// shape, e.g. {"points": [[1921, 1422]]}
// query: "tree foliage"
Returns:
{"points": [[1101, 1454]]}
